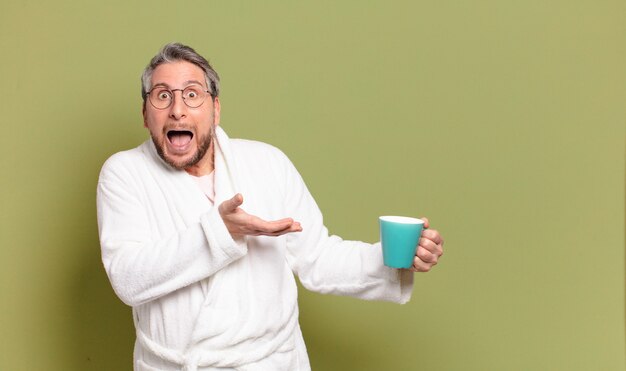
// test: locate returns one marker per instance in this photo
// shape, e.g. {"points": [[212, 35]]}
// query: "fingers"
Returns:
{"points": [[238, 222], [421, 266], [426, 255], [429, 250], [433, 236], [231, 205], [295, 227], [259, 226], [425, 260]]}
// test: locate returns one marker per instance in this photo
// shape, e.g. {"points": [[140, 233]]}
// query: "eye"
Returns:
{"points": [[164, 95], [192, 93]]}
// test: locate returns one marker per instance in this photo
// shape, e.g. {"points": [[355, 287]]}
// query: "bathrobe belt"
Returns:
{"points": [[194, 358]]}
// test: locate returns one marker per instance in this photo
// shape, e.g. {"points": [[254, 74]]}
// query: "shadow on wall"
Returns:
{"points": [[102, 328]]}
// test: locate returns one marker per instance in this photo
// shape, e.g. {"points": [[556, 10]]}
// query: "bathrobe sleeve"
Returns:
{"points": [[329, 264], [141, 267]]}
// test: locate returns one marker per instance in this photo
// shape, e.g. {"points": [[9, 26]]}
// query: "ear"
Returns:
{"points": [[216, 111], [143, 112]]}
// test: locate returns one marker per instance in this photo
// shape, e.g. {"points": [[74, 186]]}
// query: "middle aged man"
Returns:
{"points": [[211, 278]]}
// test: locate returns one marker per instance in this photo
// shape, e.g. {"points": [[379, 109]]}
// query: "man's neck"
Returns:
{"points": [[205, 166]]}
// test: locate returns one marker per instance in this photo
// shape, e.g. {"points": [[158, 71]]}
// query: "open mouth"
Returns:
{"points": [[179, 138]]}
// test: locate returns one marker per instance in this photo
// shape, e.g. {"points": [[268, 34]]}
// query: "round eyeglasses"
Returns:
{"points": [[193, 96]]}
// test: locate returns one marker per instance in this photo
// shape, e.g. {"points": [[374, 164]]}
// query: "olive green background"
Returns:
{"points": [[502, 121]]}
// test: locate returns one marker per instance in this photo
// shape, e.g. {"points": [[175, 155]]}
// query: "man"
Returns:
{"points": [[211, 278]]}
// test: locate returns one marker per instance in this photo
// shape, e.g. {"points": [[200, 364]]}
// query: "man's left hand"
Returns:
{"points": [[429, 250]]}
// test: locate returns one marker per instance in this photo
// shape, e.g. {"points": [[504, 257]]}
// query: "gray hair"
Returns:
{"points": [[173, 52]]}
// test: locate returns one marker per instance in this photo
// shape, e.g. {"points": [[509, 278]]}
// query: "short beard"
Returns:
{"points": [[205, 144]]}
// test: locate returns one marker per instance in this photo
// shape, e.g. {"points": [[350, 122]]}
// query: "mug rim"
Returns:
{"points": [[401, 219]]}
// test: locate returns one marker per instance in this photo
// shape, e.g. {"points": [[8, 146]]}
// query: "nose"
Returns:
{"points": [[178, 109]]}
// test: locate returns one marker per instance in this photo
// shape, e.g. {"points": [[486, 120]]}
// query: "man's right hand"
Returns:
{"points": [[240, 223]]}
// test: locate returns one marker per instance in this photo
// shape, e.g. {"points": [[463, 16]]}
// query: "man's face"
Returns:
{"points": [[182, 135]]}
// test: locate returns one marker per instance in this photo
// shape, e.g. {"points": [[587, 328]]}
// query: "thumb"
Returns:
{"points": [[426, 223], [232, 204]]}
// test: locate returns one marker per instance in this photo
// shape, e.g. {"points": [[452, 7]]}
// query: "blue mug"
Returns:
{"points": [[399, 237]]}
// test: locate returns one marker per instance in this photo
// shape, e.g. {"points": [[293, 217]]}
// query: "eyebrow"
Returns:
{"points": [[186, 84]]}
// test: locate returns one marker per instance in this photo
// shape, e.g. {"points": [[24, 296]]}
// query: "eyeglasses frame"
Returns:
{"points": [[173, 95]]}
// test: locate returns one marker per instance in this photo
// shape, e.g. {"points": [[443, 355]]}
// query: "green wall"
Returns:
{"points": [[504, 122]]}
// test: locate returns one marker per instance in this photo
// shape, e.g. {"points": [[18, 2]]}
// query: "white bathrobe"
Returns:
{"points": [[203, 301]]}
